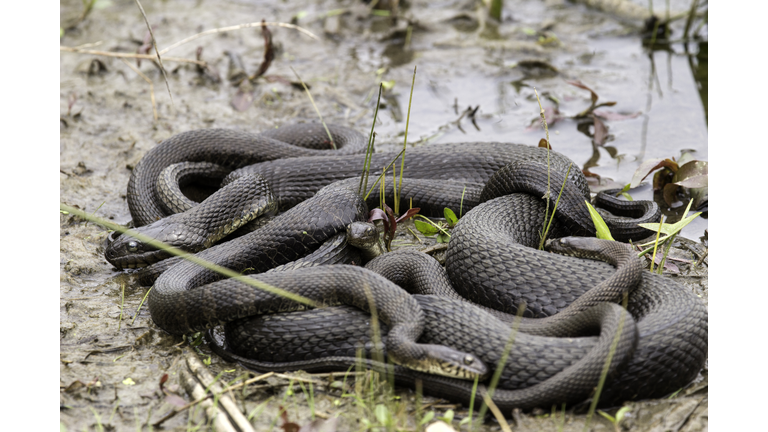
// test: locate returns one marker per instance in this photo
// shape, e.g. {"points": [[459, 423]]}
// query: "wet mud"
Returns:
{"points": [[112, 357]]}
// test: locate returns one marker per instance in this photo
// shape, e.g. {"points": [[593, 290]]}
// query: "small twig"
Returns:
{"points": [[496, 413], [204, 376], [151, 86], [129, 55], [405, 142], [215, 416], [333, 144], [435, 248], [157, 52], [237, 27], [656, 243]]}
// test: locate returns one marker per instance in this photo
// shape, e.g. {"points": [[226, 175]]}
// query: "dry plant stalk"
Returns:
{"points": [[151, 86]]}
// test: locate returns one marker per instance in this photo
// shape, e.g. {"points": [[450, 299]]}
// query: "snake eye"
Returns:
{"points": [[133, 246], [468, 360]]}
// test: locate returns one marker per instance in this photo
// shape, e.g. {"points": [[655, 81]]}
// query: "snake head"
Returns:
{"points": [[588, 248], [124, 251], [365, 236], [445, 361]]}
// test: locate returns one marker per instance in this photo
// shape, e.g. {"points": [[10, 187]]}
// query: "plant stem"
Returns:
{"points": [[405, 142]]}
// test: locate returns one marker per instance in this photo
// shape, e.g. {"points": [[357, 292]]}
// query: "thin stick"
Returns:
{"points": [[382, 174], [306, 89], [154, 43], [496, 413], [546, 231], [122, 301], [369, 151], [129, 55], [237, 27], [405, 141], [546, 130], [140, 305], [656, 243], [151, 86]]}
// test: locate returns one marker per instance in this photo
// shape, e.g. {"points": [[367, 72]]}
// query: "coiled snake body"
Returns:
{"points": [[671, 322]]}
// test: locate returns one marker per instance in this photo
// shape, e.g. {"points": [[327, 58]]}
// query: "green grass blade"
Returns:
{"points": [[190, 257], [602, 229]]}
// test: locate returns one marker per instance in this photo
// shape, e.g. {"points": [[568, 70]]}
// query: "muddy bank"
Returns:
{"points": [[112, 358]]}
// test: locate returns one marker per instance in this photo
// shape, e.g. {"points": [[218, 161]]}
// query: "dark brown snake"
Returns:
{"points": [[671, 321]]}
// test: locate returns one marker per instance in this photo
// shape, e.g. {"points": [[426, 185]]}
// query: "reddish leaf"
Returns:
{"points": [[163, 380], [392, 221], [377, 214], [578, 84], [409, 214], [287, 426], [601, 131], [269, 51], [650, 166]]}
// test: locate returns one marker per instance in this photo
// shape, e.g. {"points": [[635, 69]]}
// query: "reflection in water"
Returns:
{"points": [[698, 65]]}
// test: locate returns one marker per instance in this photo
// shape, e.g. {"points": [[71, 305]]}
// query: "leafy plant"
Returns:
{"points": [[670, 231], [616, 421], [387, 216], [430, 228], [676, 179]]}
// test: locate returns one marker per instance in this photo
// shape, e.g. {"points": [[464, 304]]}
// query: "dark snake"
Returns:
{"points": [[481, 161]]}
